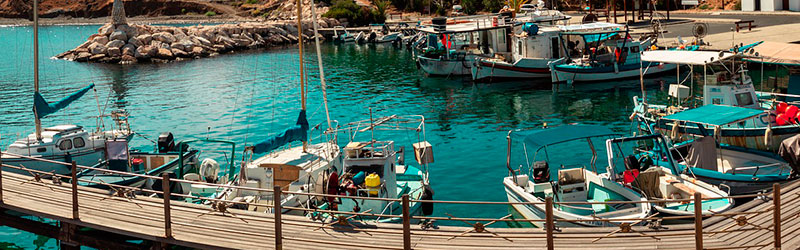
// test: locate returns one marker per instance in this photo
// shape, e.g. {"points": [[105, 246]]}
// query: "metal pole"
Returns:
{"points": [[776, 214], [698, 222], [167, 216], [74, 191], [302, 65], [37, 121], [406, 224], [548, 225], [276, 200], [1, 177]]}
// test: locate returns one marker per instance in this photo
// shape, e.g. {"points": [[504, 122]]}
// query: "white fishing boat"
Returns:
{"points": [[449, 48], [340, 35], [573, 183], [63, 143], [533, 49]]}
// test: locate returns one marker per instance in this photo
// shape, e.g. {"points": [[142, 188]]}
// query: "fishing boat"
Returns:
{"points": [[740, 170], [380, 33], [726, 87], [344, 37], [118, 157], [606, 55], [533, 49], [63, 143], [377, 168], [650, 168], [574, 183], [450, 49]]}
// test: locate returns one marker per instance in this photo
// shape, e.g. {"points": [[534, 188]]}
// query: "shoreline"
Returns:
{"points": [[182, 19]]}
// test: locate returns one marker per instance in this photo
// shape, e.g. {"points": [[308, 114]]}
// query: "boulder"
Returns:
{"points": [[100, 39], [113, 51], [84, 44], [97, 57], [201, 40], [165, 54], [115, 44], [127, 59], [97, 48], [135, 42], [129, 49], [165, 46], [198, 51], [177, 45], [145, 51], [164, 37], [128, 30], [118, 35], [83, 56], [105, 30], [145, 38], [180, 53]]}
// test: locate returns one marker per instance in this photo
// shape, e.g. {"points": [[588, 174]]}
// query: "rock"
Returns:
{"points": [[177, 45], [164, 37], [135, 42], [145, 51], [165, 46], [145, 38], [83, 57], [198, 51], [226, 41], [85, 44], [115, 44], [100, 39], [201, 40], [118, 35], [241, 42], [105, 30], [113, 51], [129, 49], [129, 30], [97, 48], [127, 59], [164, 54], [97, 57], [180, 53]]}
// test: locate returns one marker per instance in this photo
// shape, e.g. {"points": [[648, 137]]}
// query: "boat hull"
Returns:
{"points": [[439, 67], [502, 70], [560, 74], [87, 158]]}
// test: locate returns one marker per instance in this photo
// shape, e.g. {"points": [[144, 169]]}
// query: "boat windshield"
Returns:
{"points": [[639, 153]]}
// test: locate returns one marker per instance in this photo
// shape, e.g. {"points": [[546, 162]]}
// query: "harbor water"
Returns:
{"points": [[246, 97]]}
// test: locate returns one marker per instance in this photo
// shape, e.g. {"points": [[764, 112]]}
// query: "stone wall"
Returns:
{"points": [[126, 44]]}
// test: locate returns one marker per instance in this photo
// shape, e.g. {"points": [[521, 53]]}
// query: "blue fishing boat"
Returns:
{"points": [[574, 183], [738, 169]]}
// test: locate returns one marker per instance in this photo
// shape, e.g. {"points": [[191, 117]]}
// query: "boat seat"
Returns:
{"points": [[682, 187]]}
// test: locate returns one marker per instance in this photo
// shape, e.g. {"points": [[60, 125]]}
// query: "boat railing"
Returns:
{"points": [[626, 225]]}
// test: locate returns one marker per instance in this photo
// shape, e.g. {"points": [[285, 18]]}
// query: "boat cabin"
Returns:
{"points": [[56, 140], [463, 38]]}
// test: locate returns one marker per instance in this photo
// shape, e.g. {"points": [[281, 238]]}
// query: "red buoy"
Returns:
{"points": [[781, 107]]}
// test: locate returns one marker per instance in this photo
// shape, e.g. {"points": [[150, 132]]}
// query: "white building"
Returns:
{"points": [[770, 5]]}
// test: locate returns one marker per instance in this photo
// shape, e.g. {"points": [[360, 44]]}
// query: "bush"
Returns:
{"points": [[252, 1], [211, 13], [380, 10], [355, 15], [471, 6], [492, 6]]}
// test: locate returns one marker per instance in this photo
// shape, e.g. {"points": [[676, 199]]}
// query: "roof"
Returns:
{"points": [[715, 115], [463, 27], [548, 136], [778, 53], [685, 56], [589, 26]]}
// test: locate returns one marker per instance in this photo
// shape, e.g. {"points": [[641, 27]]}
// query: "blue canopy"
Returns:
{"points": [[43, 108], [715, 115], [298, 132], [548, 136]]}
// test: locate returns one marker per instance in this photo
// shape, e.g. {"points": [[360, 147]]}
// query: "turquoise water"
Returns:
{"points": [[249, 96]]}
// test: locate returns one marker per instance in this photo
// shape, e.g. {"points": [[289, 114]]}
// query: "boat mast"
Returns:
{"points": [[36, 66], [302, 74], [319, 61]]}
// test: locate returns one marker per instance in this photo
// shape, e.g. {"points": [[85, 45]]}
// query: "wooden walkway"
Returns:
{"points": [[196, 226]]}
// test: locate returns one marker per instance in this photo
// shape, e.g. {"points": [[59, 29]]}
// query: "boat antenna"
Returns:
{"points": [[319, 61], [302, 73], [36, 66]]}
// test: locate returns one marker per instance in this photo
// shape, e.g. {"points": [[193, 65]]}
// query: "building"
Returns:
{"points": [[770, 5]]}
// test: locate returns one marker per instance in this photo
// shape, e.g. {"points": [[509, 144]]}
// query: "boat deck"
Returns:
{"points": [[198, 227]]}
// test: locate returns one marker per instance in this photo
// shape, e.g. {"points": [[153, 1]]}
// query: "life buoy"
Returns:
{"points": [[333, 186]]}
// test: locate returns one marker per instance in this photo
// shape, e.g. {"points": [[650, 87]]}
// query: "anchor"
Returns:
{"points": [[479, 227]]}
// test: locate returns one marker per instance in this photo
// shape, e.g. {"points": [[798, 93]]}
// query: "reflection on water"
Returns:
{"points": [[248, 96]]}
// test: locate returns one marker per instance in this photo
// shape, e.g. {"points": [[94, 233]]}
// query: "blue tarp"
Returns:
{"points": [[597, 37], [298, 132], [548, 136], [43, 108], [715, 115]]}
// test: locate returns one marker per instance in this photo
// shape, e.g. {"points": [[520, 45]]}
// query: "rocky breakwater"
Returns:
{"points": [[127, 44]]}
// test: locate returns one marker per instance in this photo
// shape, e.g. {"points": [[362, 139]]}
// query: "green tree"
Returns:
{"points": [[380, 10], [471, 6], [492, 5]]}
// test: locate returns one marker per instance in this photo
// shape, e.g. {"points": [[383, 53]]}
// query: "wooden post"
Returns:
{"points": [[614, 6], [276, 199], [406, 224], [668, 7], [548, 224], [74, 190], [698, 222], [167, 217], [776, 214]]}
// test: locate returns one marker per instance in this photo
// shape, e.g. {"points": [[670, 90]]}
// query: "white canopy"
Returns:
{"points": [[589, 26], [685, 56]]}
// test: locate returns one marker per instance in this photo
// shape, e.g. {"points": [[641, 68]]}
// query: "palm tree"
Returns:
{"points": [[515, 5]]}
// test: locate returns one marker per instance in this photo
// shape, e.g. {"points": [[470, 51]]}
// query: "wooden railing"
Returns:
{"points": [[549, 221]]}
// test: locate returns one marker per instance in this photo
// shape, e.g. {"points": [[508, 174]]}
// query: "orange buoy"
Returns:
{"points": [[781, 120], [791, 111], [781, 107]]}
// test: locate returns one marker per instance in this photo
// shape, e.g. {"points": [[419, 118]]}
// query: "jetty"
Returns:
{"points": [[103, 218]]}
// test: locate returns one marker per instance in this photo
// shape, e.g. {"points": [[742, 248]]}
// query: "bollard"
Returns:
{"points": [[776, 214], [276, 199], [406, 224], [548, 224], [74, 190], [167, 215], [698, 222]]}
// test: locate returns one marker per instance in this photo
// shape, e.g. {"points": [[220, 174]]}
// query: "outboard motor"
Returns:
{"points": [[439, 23], [541, 172], [166, 142]]}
